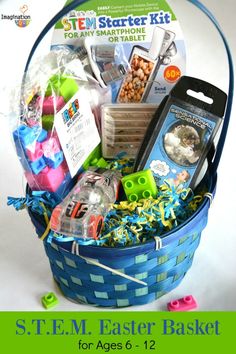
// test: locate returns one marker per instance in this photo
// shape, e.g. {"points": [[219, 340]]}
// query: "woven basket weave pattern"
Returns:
{"points": [[162, 270]]}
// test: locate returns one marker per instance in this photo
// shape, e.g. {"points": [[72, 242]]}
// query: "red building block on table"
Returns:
{"points": [[184, 304]]}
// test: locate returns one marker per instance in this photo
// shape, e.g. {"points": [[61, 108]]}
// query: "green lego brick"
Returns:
{"points": [[95, 154], [139, 185], [49, 300], [61, 86], [54, 84], [99, 162], [47, 122], [68, 89]]}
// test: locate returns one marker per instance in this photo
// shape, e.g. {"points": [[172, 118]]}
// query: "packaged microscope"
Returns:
{"points": [[135, 50], [181, 133]]}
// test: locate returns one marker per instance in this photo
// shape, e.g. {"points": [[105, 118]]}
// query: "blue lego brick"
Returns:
{"points": [[19, 148], [37, 166], [42, 136], [26, 135], [55, 161], [21, 152]]}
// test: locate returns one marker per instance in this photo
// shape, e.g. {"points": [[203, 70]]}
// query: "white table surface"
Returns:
{"points": [[24, 269]]}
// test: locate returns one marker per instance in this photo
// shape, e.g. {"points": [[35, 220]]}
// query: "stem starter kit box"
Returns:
{"points": [[147, 35]]}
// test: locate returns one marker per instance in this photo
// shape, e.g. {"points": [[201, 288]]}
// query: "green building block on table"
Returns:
{"points": [[62, 86], [139, 185], [47, 122], [49, 300]]}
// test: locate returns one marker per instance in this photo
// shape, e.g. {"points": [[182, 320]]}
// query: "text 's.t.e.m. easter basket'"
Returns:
{"points": [[106, 276]]}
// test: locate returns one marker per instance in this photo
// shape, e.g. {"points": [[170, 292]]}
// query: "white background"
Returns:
{"points": [[24, 269]]}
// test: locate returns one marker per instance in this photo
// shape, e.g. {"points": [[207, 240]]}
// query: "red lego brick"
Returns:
{"points": [[184, 304]]}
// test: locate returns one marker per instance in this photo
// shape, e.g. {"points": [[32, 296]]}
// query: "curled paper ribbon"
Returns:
{"points": [[137, 222], [127, 223], [132, 223], [39, 202], [122, 164]]}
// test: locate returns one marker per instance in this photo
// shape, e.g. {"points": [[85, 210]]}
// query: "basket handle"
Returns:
{"points": [[198, 4], [221, 142]]}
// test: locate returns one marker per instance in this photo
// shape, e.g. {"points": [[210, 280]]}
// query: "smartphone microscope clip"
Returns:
{"points": [[161, 50]]}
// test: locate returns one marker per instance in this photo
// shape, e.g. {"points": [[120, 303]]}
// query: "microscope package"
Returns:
{"points": [[181, 134], [136, 50]]}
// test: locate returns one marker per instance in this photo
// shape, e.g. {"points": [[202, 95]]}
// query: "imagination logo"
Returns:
{"points": [[21, 20]]}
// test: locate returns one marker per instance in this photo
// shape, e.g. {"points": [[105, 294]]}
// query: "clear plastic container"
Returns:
{"points": [[124, 127]]}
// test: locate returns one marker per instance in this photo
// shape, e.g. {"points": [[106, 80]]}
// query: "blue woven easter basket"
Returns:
{"points": [[105, 276], [160, 263]]}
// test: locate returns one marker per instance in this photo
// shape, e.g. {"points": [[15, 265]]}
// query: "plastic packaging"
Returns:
{"points": [[82, 212], [55, 114]]}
